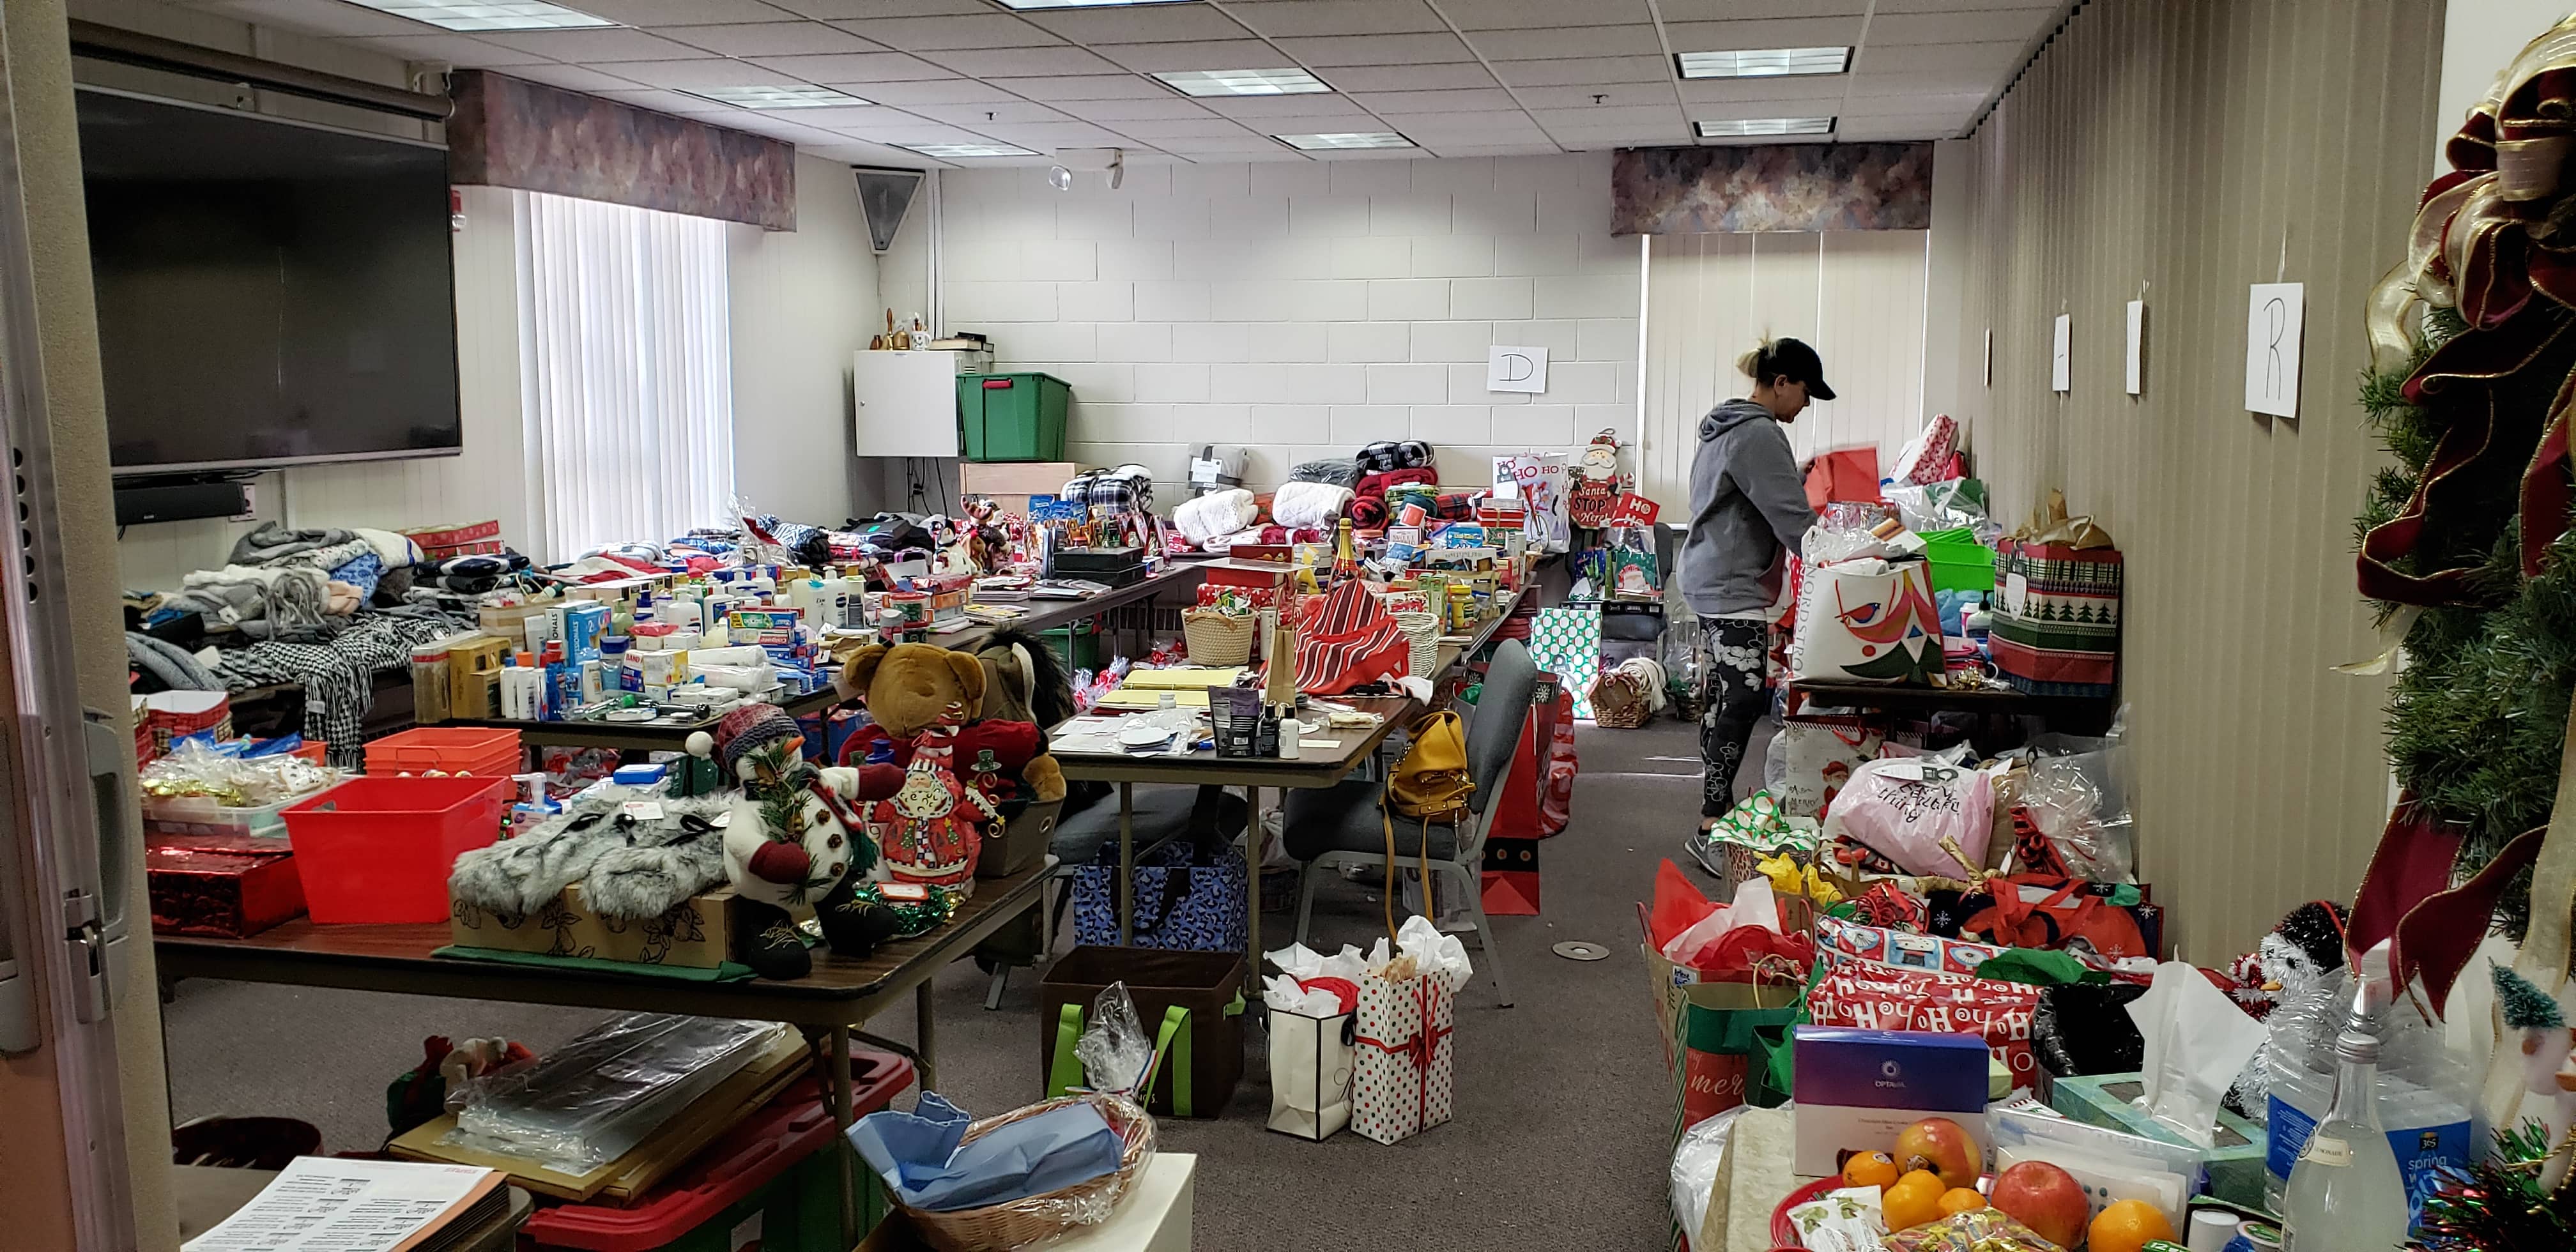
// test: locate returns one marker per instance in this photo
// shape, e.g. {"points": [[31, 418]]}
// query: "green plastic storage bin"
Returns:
{"points": [[1076, 644], [1013, 417], [1959, 562]]}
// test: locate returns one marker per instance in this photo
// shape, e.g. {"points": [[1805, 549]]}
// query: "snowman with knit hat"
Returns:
{"points": [[795, 839]]}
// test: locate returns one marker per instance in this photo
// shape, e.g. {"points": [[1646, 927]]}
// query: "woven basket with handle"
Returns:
{"points": [[1422, 632], [1216, 638], [1022, 1222]]}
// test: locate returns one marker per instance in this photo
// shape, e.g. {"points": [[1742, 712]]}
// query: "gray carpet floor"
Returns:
{"points": [[1563, 1111]]}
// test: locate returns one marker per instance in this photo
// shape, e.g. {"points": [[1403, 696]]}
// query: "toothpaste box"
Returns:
{"points": [[1855, 1090]]}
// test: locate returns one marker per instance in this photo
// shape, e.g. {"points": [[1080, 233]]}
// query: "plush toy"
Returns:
{"points": [[958, 775], [2294, 958], [795, 839]]}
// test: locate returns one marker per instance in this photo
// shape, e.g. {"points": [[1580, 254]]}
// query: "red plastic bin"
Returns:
{"points": [[379, 849], [475, 750], [721, 1187]]}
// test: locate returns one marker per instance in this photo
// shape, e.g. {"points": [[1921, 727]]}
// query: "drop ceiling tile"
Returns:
{"points": [[669, 102], [1908, 85], [1481, 15], [1455, 76], [1377, 50], [931, 34], [570, 77], [1581, 97], [1803, 88], [1811, 32], [1287, 18], [453, 49], [988, 113], [850, 10], [852, 152], [933, 91], [1155, 23], [1047, 136], [1931, 58], [1987, 26], [2040, 10], [1157, 131], [701, 73], [772, 39], [1250, 108], [774, 127], [681, 12], [319, 17], [846, 118], [1722, 10], [854, 67], [1392, 103], [1592, 140], [1609, 115], [1227, 146], [1021, 62], [594, 47], [1133, 110], [922, 132], [1582, 71], [1540, 148], [1223, 54], [1092, 87], [1561, 43], [1514, 129]]}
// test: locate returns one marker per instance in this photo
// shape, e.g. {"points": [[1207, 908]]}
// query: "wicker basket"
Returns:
{"points": [[1619, 702], [1039, 1217], [1216, 638], [1422, 631]]}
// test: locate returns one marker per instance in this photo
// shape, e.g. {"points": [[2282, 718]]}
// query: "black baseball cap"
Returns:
{"points": [[1799, 362]]}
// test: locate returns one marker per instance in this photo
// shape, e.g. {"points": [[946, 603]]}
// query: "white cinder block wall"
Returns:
{"points": [[1303, 309]]}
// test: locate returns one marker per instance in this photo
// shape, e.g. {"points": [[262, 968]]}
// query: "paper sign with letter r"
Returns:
{"points": [[2272, 325], [1516, 369]]}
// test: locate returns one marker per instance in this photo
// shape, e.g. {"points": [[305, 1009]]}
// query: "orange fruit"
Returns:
{"points": [[1914, 1200], [2127, 1226], [1962, 1200], [1869, 1169]]}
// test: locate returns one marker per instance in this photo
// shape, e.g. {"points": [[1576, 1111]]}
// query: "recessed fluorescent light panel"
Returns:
{"points": [[488, 14], [1764, 62], [797, 97], [960, 151], [1083, 4], [1243, 82], [1346, 139], [1767, 126]]}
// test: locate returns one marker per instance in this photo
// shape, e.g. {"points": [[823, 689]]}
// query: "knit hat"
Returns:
{"points": [[749, 727]]}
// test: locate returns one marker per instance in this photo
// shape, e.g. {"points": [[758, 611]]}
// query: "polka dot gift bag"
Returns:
{"points": [[1405, 1037]]}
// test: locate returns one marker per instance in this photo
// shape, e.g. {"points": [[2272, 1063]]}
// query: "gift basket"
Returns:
{"points": [[1217, 637], [1036, 1219]]}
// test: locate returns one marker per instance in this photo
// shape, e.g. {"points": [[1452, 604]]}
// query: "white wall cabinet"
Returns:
{"points": [[905, 402]]}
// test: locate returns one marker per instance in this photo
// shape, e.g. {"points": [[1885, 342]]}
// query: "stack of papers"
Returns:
{"points": [[322, 1204]]}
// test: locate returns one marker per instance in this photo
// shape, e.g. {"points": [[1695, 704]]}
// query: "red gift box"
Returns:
{"points": [[229, 886]]}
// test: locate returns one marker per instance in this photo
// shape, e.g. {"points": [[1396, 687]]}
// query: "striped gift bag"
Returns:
{"points": [[2057, 625], [1350, 639]]}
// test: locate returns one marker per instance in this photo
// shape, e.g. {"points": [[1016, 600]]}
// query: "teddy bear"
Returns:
{"points": [[960, 775], [795, 837]]}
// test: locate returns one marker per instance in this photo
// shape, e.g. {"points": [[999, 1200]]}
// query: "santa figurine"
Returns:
{"points": [[793, 840]]}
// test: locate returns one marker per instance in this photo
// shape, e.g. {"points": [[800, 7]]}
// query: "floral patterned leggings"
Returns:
{"points": [[1731, 700]]}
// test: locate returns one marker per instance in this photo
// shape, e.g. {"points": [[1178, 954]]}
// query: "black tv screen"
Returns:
{"points": [[269, 292]]}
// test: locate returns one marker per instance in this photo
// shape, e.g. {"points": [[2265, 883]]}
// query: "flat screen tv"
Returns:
{"points": [[270, 292]]}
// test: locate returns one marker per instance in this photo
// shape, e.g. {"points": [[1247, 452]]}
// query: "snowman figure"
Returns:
{"points": [[793, 840]]}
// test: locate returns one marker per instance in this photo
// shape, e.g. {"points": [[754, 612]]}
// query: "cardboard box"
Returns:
{"points": [[694, 935], [1020, 844], [1856, 1089], [1011, 483], [2235, 1162]]}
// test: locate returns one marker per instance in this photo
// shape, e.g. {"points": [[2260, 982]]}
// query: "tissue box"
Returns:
{"points": [[2235, 1163], [1856, 1089]]}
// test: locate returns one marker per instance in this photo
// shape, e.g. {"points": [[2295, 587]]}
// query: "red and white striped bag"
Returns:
{"points": [[1348, 640]]}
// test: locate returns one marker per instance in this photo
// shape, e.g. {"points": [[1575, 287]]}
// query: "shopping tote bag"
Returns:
{"points": [[1312, 1065], [1867, 620]]}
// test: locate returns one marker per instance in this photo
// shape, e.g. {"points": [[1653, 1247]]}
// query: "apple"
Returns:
{"points": [[1942, 1147], [2046, 1199]]}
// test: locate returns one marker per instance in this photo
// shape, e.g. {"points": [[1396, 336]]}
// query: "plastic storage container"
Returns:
{"points": [[1076, 644], [379, 849], [475, 750], [201, 815], [1013, 417], [773, 1177]]}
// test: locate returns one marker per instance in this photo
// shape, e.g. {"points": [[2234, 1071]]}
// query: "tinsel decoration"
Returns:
{"points": [[2496, 1205]]}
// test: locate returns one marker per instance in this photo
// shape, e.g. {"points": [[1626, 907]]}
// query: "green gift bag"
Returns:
{"points": [[1715, 1031]]}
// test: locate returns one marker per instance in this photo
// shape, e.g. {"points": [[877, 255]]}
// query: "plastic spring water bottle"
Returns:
{"points": [[2346, 1192]]}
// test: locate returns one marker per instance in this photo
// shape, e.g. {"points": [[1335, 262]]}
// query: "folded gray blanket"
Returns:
{"points": [[272, 542], [172, 664]]}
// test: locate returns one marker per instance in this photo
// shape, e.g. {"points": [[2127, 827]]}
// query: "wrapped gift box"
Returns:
{"points": [[229, 886]]}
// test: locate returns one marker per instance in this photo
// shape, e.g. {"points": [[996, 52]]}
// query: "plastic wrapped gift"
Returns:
{"points": [[229, 886]]}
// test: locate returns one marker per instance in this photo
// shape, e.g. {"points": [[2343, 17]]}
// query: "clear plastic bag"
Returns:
{"points": [[1114, 1048], [592, 1100], [2080, 802], [1940, 506], [1695, 1163]]}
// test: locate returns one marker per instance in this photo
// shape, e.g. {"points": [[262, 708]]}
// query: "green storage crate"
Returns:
{"points": [[1013, 417], [1959, 562], [1076, 644]]}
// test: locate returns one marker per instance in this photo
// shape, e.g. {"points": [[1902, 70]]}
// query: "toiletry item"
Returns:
{"points": [[591, 683], [430, 684]]}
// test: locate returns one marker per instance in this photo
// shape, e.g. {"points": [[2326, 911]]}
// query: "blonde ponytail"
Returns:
{"points": [[1751, 363]]}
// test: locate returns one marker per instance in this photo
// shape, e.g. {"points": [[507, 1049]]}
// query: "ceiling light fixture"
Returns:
{"points": [[1767, 126], [1764, 62], [1345, 140], [1287, 82], [797, 97], [1084, 4], [964, 151], [488, 14]]}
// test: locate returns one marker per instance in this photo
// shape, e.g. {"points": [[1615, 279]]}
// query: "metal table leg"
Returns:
{"points": [[1252, 848], [844, 1098], [924, 1026], [1126, 864]]}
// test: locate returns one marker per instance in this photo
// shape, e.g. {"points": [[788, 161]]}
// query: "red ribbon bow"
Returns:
{"points": [[1420, 1048]]}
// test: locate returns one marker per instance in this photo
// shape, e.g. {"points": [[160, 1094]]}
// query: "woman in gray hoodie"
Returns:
{"points": [[1748, 508]]}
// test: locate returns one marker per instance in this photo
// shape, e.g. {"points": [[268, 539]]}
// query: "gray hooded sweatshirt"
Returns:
{"points": [[1748, 504]]}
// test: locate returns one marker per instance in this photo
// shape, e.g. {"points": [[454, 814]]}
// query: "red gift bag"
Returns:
{"points": [[1843, 474], [2038, 911]]}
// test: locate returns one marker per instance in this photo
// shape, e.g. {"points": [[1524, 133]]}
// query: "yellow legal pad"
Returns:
{"points": [[1183, 677], [1149, 698]]}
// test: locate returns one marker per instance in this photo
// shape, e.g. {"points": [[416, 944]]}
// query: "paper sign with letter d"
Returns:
{"points": [[1516, 369], [2273, 319]]}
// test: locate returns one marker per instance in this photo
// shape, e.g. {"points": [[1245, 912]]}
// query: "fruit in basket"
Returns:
{"points": [[1912, 1201], [1870, 1169], [1962, 1200], [1943, 1147], [2046, 1199], [2128, 1226]]}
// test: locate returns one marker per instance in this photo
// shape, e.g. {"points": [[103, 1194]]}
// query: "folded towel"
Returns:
{"points": [[1216, 513], [1302, 505]]}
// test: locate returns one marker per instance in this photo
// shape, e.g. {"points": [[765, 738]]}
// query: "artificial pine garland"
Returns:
{"points": [[2497, 1204]]}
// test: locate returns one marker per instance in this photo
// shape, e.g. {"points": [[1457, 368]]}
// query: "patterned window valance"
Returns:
{"points": [[1771, 187], [508, 132]]}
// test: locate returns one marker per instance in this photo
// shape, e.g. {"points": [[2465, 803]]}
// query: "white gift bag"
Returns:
{"points": [[1867, 620], [1311, 1068], [1539, 480]]}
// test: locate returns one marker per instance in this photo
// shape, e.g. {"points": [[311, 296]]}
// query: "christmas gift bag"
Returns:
{"points": [[1405, 1044], [1313, 1061], [1867, 620], [1566, 642], [1538, 479], [1821, 751], [2057, 607], [1871, 996]]}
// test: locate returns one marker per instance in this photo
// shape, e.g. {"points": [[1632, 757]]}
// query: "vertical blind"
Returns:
{"points": [[626, 372], [1856, 296]]}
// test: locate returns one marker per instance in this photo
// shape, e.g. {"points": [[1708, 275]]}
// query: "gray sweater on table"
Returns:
{"points": [[1747, 505]]}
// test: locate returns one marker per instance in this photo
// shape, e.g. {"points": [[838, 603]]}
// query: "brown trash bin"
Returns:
{"points": [[1208, 984]]}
